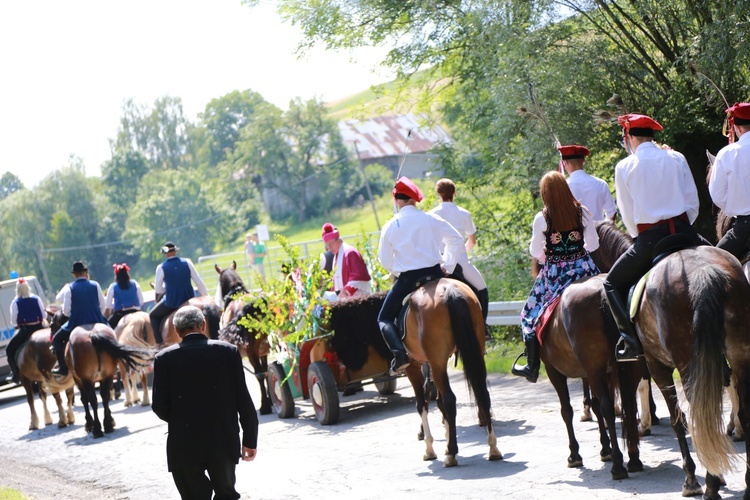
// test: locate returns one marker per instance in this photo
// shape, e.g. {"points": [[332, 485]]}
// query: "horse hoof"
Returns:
{"points": [[450, 461], [98, 434], [607, 457], [619, 474], [575, 462], [61, 425], [691, 490], [265, 411], [495, 457], [429, 456], [644, 433], [33, 427], [635, 466], [128, 404]]}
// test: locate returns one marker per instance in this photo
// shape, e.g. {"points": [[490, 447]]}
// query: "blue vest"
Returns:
{"points": [[28, 310], [84, 304], [177, 281], [125, 299]]}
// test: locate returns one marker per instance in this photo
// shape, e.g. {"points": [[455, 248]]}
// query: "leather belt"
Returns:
{"points": [[645, 227]]}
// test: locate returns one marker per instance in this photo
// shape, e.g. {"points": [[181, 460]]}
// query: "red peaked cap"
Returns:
{"points": [[639, 124], [573, 151], [405, 186], [740, 112], [330, 232]]}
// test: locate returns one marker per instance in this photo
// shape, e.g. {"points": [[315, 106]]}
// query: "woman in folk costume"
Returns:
{"points": [[124, 296], [350, 275], [563, 235], [27, 313]]}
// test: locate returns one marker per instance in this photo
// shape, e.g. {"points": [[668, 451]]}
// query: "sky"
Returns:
{"points": [[67, 67]]}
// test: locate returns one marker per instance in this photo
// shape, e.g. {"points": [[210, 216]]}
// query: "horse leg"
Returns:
{"points": [[447, 403], [87, 391], [28, 386], [146, 401], [265, 398], [734, 426], [560, 383], [586, 415], [43, 398], [105, 387], [70, 393], [644, 393], [605, 455], [415, 376], [124, 376], [663, 378], [629, 379], [743, 415], [63, 419], [652, 403], [606, 409]]}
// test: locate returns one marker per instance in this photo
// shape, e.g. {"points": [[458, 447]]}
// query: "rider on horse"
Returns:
{"points": [[410, 246], [563, 235], [172, 280], [83, 304], [729, 183], [124, 296], [656, 197], [27, 313], [461, 220], [350, 275]]}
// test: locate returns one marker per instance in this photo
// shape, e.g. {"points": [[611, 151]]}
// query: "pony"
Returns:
{"points": [[135, 330], [693, 316], [35, 363], [251, 344], [443, 317], [93, 353]]}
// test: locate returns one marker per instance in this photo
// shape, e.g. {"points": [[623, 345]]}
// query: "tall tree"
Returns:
{"points": [[9, 184]]}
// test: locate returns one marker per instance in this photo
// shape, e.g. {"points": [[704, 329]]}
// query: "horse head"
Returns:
{"points": [[230, 282]]}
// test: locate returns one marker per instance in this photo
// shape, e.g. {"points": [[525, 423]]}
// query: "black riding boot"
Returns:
{"points": [[628, 347], [58, 342], [484, 301], [531, 370], [393, 341], [13, 377]]}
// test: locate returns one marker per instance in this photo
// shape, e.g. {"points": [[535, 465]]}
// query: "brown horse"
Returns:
{"points": [[254, 346], [93, 354], [35, 362], [445, 317], [135, 330], [211, 311], [692, 316]]}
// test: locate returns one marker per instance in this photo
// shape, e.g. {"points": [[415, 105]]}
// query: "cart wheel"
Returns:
{"points": [[281, 394], [324, 393], [386, 387]]}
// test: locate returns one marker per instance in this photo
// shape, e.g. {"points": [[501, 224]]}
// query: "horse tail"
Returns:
{"points": [[212, 312], [133, 357], [704, 387], [467, 343]]}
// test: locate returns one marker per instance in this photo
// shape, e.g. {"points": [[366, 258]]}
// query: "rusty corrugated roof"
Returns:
{"points": [[385, 136]]}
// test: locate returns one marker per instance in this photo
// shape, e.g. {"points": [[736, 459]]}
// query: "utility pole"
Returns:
{"points": [[367, 185], [50, 291]]}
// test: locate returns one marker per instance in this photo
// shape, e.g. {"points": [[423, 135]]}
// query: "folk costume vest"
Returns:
{"points": [[564, 245], [28, 310], [84, 304], [125, 299], [177, 281]]}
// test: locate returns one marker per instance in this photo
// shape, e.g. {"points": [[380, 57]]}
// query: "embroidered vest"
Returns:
{"points": [[564, 245]]}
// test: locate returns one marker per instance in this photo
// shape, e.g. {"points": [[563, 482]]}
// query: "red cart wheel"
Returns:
{"points": [[324, 393], [281, 394]]}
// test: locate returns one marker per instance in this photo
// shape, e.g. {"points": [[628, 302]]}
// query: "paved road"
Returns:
{"points": [[372, 453]]}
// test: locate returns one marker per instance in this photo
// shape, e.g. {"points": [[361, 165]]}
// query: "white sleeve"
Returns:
{"points": [[538, 245], [202, 290], [159, 281], [140, 294], [66, 301], [717, 183], [625, 202], [102, 300], [111, 297], [454, 243], [590, 236], [14, 312], [385, 250]]}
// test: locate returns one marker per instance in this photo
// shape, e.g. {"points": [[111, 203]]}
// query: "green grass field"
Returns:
{"points": [[11, 494]]}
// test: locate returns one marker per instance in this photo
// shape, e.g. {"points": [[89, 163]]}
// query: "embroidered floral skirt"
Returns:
{"points": [[553, 279]]}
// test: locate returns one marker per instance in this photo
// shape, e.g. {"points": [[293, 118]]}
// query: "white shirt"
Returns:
{"points": [[729, 183], [458, 217], [593, 193], [14, 309], [538, 243], [67, 302], [159, 279], [412, 240], [111, 295], [654, 184]]}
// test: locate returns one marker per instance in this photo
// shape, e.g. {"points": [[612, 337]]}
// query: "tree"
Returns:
{"points": [[9, 184], [298, 157]]}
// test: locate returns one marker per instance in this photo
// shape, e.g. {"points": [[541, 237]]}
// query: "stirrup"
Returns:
{"points": [[628, 353]]}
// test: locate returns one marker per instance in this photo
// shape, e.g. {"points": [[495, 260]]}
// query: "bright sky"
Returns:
{"points": [[67, 67]]}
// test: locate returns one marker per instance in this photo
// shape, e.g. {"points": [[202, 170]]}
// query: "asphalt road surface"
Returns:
{"points": [[372, 453]]}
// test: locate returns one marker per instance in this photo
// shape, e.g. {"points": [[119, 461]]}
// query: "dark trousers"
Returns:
{"points": [[58, 343], [192, 483], [637, 260], [157, 315], [736, 240], [23, 334], [404, 285], [114, 320]]}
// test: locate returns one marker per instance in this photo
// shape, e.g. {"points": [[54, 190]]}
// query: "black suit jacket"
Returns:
{"points": [[200, 391]]}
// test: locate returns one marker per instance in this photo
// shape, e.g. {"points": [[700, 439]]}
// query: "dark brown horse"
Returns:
{"points": [[92, 354], [693, 315], [445, 317], [238, 303], [35, 362]]}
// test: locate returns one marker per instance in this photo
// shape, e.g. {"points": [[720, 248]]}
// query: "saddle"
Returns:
{"points": [[401, 318]]}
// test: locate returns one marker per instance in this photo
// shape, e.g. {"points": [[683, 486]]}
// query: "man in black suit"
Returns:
{"points": [[199, 390]]}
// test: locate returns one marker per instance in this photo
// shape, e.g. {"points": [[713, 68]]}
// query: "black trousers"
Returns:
{"points": [[22, 335], [193, 484], [736, 240], [403, 286], [637, 260], [157, 315]]}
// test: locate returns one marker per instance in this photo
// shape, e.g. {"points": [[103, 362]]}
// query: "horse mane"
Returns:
{"points": [[354, 322], [236, 334], [723, 223], [612, 244]]}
